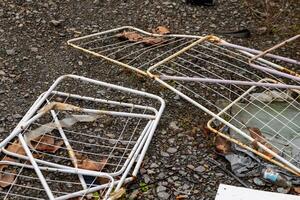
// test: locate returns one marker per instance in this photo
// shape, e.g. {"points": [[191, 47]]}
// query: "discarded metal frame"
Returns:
{"points": [[138, 56], [203, 70], [55, 112], [196, 65]]}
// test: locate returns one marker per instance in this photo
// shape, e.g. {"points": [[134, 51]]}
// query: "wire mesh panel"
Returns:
{"points": [[19, 181], [93, 129], [266, 116], [131, 47], [137, 49], [240, 97]]}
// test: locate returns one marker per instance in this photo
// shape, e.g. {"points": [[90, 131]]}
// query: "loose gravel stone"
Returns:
{"points": [[171, 150], [134, 195], [10, 52], [55, 22], [17, 116], [259, 182], [173, 125], [146, 178], [283, 190], [192, 167], [171, 140], [200, 169], [163, 195], [164, 154], [154, 165], [161, 189], [34, 49]]}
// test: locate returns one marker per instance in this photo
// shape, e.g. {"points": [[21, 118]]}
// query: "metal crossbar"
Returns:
{"points": [[227, 81], [80, 133]]}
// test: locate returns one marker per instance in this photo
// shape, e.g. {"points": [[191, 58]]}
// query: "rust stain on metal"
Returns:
{"points": [[291, 72], [213, 39]]}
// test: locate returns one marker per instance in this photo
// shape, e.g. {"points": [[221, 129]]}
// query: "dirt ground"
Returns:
{"points": [[34, 52]]}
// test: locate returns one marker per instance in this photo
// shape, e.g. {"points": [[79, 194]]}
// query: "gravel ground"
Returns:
{"points": [[33, 52]]}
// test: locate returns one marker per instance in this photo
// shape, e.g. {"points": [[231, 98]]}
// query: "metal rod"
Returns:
{"points": [[224, 81]]}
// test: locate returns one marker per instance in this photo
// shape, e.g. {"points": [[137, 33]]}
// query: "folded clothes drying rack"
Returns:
{"points": [[81, 137], [225, 80]]}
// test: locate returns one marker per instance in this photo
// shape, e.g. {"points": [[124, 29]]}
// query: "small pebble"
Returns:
{"points": [[55, 22], [259, 182], [10, 52], [283, 190], [34, 49], [17, 116], [2, 130], [146, 178], [2, 73], [154, 165], [191, 167], [173, 125], [161, 189], [163, 195], [171, 150], [200, 169], [164, 154]]}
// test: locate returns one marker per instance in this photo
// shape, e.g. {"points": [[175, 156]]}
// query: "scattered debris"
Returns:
{"points": [[297, 189], [46, 143], [6, 179], [152, 41], [206, 131], [162, 30], [180, 197], [213, 161], [243, 163], [58, 106], [223, 146], [271, 95], [118, 194], [259, 138], [131, 36], [49, 127], [259, 181], [92, 165], [134, 36], [277, 179], [16, 147]]}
